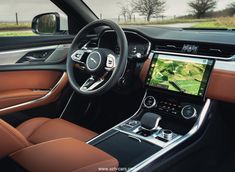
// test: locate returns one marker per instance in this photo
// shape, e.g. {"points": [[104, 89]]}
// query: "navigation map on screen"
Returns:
{"points": [[180, 74]]}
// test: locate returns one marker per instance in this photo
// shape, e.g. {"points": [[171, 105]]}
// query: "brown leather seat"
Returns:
{"points": [[39, 130]]}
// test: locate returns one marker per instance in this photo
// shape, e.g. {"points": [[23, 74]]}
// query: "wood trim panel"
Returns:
{"points": [[144, 70]]}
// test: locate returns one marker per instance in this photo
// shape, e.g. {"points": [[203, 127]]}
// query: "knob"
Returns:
{"points": [[149, 102], [167, 134], [189, 112]]}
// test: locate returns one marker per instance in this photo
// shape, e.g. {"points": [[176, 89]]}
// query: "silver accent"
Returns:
{"points": [[175, 143], [11, 57], [74, 55], [65, 108], [167, 134], [36, 100], [95, 84], [194, 55], [94, 52], [154, 102], [110, 63], [59, 54], [81, 53], [194, 112], [225, 65], [152, 138]]}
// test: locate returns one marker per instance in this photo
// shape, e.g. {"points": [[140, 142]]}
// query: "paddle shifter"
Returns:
{"points": [[150, 121]]}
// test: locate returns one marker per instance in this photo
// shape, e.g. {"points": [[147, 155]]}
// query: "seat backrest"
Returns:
{"points": [[11, 140]]}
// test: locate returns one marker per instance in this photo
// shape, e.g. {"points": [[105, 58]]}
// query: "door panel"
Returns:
{"points": [[16, 43], [47, 54], [22, 90], [14, 97]]}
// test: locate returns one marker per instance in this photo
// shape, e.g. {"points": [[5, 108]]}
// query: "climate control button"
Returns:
{"points": [[188, 112], [149, 102]]}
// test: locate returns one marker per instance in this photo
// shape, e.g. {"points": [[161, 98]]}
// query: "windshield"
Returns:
{"points": [[209, 14]]}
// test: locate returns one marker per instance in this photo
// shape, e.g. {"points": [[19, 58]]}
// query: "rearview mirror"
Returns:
{"points": [[48, 23]]}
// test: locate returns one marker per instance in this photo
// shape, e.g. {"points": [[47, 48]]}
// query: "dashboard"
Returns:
{"points": [[211, 54]]}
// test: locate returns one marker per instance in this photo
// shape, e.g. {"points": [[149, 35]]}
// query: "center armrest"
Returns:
{"points": [[64, 155]]}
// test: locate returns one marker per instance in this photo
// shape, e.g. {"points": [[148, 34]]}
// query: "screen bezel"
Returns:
{"points": [[155, 55]]}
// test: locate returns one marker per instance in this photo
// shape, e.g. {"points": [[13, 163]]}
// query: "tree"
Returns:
{"points": [[201, 7], [231, 8], [149, 8], [126, 11]]}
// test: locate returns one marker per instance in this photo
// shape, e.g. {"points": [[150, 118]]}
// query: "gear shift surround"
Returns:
{"points": [[150, 121]]}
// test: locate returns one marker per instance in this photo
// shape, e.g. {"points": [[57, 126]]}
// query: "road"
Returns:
{"points": [[179, 25]]}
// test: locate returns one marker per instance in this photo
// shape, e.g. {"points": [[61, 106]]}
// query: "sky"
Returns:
{"points": [[27, 9], [111, 9]]}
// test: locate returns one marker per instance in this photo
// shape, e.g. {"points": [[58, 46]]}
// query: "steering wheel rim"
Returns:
{"points": [[117, 71]]}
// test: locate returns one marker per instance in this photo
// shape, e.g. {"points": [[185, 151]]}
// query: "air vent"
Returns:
{"points": [[216, 50], [169, 46], [224, 51]]}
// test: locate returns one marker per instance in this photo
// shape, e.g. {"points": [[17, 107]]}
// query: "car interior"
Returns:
{"points": [[106, 97]]}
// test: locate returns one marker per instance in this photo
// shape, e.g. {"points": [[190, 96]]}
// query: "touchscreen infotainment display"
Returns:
{"points": [[188, 75]]}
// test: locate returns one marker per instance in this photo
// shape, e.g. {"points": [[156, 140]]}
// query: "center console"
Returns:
{"points": [[173, 109]]}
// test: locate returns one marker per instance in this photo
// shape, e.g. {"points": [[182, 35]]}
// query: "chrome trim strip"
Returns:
{"points": [[37, 100], [225, 65], [196, 55], [154, 102], [29, 49], [65, 108], [151, 139], [195, 128], [12, 56]]}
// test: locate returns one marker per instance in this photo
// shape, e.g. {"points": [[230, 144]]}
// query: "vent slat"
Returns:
{"points": [[218, 50]]}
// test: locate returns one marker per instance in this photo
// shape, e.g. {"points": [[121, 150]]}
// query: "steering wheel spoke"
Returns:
{"points": [[92, 83], [110, 62], [80, 56]]}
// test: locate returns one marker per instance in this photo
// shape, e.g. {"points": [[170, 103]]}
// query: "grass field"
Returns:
{"points": [[170, 21], [12, 29], [223, 22], [17, 33], [14, 26]]}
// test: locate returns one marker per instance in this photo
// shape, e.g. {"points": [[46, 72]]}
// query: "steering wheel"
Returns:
{"points": [[103, 66]]}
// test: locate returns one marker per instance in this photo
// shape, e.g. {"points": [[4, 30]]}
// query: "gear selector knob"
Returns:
{"points": [[150, 121]]}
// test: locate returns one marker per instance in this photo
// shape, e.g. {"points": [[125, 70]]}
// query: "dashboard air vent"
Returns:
{"points": [[206, 49]]}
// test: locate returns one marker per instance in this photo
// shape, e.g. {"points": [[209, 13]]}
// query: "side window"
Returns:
{"points": [[31, 18]]}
